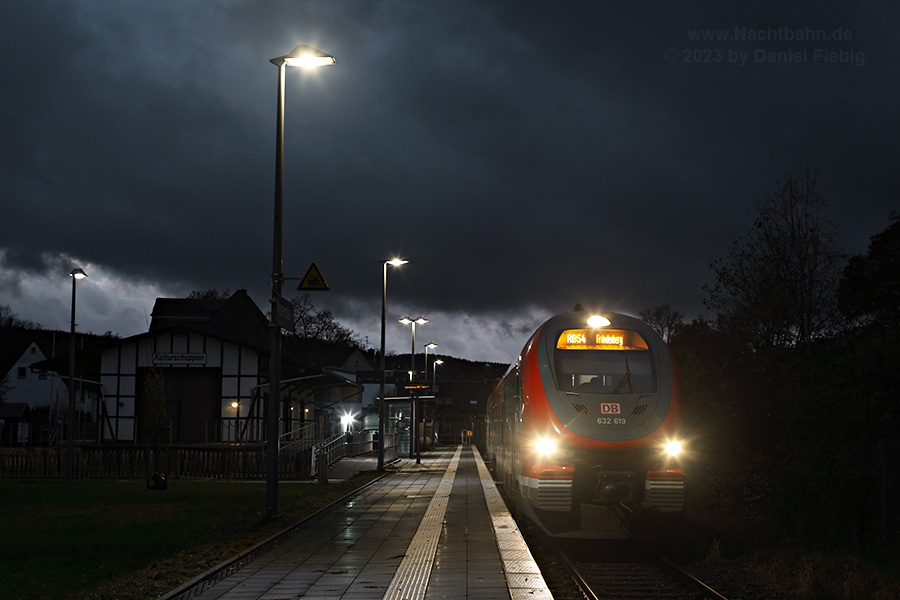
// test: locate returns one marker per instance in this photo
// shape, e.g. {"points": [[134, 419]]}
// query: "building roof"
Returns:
{"points": [[14, 341], [174, 312], [236, 320]]}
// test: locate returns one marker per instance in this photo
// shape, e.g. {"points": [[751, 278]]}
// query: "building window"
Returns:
{"points": [[21, 373], [42, 374], [33, 350]]}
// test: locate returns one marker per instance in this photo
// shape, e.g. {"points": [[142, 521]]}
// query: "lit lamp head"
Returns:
{"points": [[417, 320], [78, 274], [396, 262], [304, 57], [597, 321], [431, 345]]}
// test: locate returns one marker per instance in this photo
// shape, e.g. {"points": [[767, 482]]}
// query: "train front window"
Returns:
{"points": [[604, 361], [606, 371]]}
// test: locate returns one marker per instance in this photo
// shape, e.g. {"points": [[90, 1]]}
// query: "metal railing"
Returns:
{"points": [[298, 440], [351, 444], [332, 449], [360, 442], [391, 447]]}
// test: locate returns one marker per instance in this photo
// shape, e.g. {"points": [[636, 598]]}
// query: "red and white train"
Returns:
{"points": [[585, 429]]}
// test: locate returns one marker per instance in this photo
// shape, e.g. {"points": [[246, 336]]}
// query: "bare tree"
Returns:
{"points": [[315, 324], [157, 421], [663, 320], [870, 286], [9, 319], [210, 294], [776, 287]]}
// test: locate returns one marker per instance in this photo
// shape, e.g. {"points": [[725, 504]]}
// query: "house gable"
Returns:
{"points": [[225, 372]]}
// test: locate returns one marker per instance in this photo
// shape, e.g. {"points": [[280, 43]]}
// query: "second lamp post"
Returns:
{"points": [[413, 422], [382, 409]]}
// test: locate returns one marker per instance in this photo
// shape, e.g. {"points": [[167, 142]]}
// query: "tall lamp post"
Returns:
{"points": [[431, 345], [300, 56], [434, 394], [394, 262], [76, 274], [413, 418], [424, 407], [434, 381]]}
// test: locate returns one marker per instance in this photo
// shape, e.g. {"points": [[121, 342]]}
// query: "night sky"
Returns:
{"points": [[523, 156]]}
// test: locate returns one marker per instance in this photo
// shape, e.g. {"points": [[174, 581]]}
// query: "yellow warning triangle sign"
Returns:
{"points": [[313, 280]]}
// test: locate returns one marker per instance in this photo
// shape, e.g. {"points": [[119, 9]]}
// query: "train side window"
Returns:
{"points": [[508, 403], [519, 396]]}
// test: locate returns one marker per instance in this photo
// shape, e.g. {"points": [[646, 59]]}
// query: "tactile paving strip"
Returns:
{"points": [[522, 574], [410, 582]]}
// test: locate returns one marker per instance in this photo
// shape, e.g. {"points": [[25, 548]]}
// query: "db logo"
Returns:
{"points": [[610, 408]]}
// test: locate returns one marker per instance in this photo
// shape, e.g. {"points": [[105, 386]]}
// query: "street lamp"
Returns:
{"points": [[424, 408], [76, 274], [413, 322], [300, 56], [431, 345], [394, 262], [434, 388], [434, 381], [413, 438]]}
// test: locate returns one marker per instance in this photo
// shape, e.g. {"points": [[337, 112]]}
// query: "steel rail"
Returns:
{"points": [[690, 580], [678, 574], [578, 577]]}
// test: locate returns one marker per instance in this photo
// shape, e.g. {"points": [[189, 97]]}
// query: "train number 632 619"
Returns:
{"points": [[610, 421]]}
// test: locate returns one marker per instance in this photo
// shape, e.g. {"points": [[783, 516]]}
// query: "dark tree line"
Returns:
{"points": [[776, 286], [9, 319], [792, 384]]}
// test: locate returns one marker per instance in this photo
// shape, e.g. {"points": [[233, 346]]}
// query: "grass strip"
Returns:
{"points": [[97, 540]]}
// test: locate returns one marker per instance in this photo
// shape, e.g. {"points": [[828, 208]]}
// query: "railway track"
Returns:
{"points": [[649, 578]]}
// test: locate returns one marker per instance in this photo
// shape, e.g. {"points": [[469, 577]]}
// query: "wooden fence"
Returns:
{"points": [[231, 462]]}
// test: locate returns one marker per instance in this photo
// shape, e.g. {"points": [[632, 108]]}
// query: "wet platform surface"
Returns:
{"points": [[433, 530]]}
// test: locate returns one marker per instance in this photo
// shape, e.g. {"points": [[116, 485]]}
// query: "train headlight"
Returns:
{"points": [[673, 448], [545, 446], [598, 321]]}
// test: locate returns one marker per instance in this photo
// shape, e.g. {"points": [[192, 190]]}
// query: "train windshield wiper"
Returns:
{"points": [[626, 380]]}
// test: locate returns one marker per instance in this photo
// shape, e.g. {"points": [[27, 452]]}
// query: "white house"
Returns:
{"points": [[45, 391]]}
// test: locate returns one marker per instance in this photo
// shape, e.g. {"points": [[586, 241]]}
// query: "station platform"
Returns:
{"points": [[425, 531]]}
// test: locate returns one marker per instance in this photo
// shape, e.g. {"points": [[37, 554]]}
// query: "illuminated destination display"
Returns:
{"points": [[608, 339]]}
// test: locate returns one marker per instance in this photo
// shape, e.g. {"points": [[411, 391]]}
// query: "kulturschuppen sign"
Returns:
{"points": [[178, 358]]}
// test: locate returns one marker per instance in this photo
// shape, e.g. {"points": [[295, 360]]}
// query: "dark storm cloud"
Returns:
{"points": [[523, 155]]}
